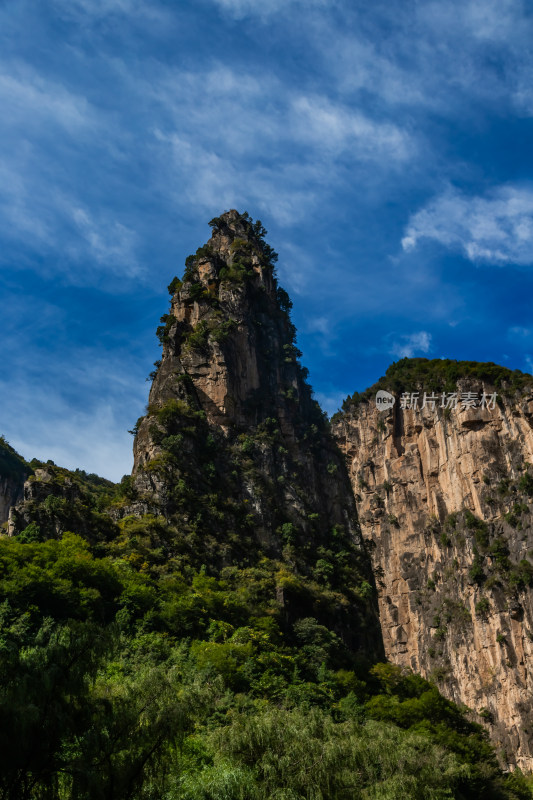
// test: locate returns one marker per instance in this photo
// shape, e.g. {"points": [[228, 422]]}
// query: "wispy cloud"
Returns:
{"points": [[243, 8], [66, 147], [40, 195], [54, 224], [92, 434], [408, 345], [72, 438], [309, 144], [334, 128], [320, 325], [216, 182], [519, 332], [107, 242], [31, 99], [98, 9], [496, 228], [438, 57]]}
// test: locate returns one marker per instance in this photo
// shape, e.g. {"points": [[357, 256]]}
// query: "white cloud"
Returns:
{"points": [[334, 128], [241, 8], [109, 243], [230, 138], [308, 145], [320, 325], [496, 228], [41, 420], [53, 222], [486, 20], [298, 272], [407, 345], [519, 332], [103, 8], [28, 97], [40, 199], [438, 56], [272, 119], [215, 182], [93, 442], [359, 66]]}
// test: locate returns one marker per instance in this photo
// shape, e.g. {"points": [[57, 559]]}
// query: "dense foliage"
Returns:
{"points": [[127, 673]]}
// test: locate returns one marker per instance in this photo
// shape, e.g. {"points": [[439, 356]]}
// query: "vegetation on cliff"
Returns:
{"points": [[446, 500], [58, 500], [205, 630], [12, 465], [441, 375]]}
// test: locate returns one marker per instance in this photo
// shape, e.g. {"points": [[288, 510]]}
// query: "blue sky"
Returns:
{"points": [[386, 147]]}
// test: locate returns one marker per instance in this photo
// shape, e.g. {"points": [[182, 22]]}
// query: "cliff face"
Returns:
{"points": [[234, 452], [446, 498], [13, 473], [10, 494]]}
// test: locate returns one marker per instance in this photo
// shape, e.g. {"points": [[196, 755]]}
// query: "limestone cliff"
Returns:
{"points": [[234, 452], [445, 496]]}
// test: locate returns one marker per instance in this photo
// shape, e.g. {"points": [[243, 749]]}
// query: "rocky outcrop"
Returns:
{"points": [[234, 464], [445, 497], [55, 500], [234, 451], [13, 473], [236, 469]]}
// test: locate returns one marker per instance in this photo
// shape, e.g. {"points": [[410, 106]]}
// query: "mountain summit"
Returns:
{"points": [[234, 451]]}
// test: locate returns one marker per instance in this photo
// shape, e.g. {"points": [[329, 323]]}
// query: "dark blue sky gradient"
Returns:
{"points": [[386, 147]]}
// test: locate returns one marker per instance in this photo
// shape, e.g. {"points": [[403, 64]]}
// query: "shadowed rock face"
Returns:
{"points": [[13, 473], [234, 451], [11, 491], [446, 499]]}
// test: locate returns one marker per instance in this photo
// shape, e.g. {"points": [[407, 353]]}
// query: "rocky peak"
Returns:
{"points": [[228, 330], [232, 226], [235, 251], [233, 447]]}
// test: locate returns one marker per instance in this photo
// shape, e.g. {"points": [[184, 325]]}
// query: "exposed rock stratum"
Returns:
{"points": [[445, 496]]}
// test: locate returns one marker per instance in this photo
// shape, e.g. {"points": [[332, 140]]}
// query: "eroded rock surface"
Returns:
{"points": [[446, 499], [234, 450]]}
